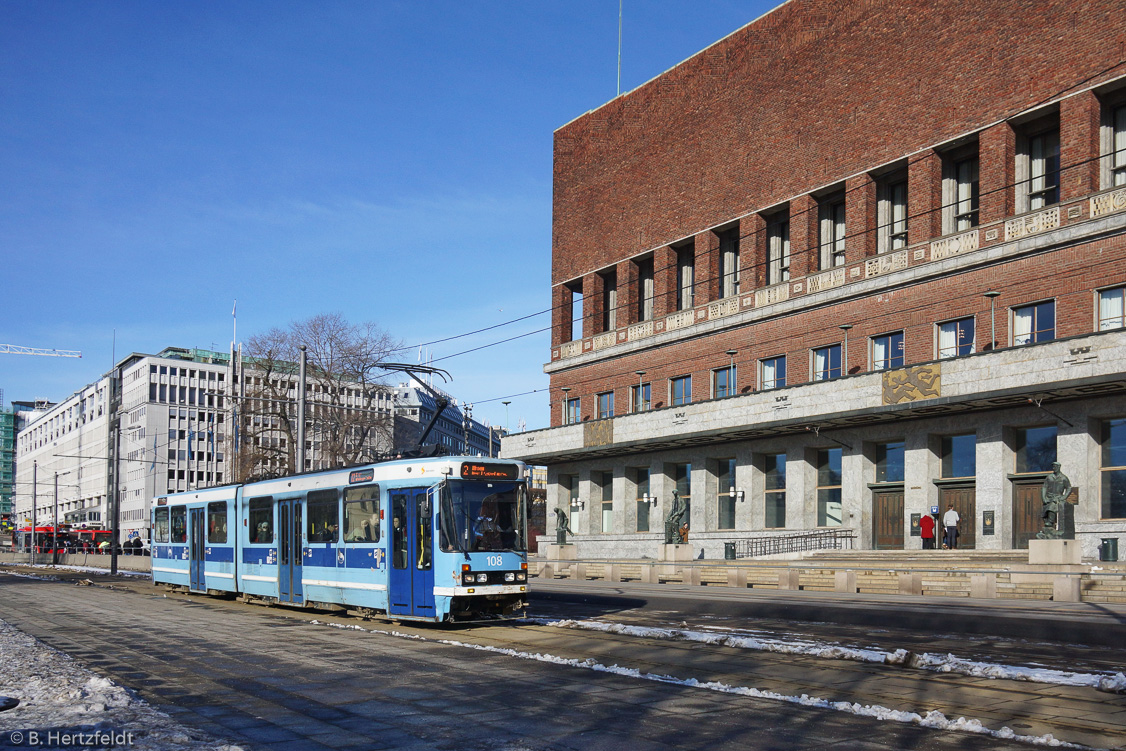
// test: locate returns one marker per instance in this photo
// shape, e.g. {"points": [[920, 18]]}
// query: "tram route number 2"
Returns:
{"points": [[494, 560]]}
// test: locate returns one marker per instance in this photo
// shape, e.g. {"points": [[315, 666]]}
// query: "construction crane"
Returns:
{"points": [[12, 349]]}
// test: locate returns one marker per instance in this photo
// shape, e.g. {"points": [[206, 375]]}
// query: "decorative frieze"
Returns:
{"points": [[885, 264], [680, 320], [825, 280], [1108, 203], [598, 433], [912, 384], [602, 341], [723, 308], [771, 295], [640, 330], [1032, 224], [570, 349], [952, 246]]}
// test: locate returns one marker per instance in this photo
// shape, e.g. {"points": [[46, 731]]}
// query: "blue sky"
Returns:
{"points": [[389, 161]]}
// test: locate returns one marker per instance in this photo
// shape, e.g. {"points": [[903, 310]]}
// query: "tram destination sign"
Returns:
{"points": [[480, 471], [361, 475]]}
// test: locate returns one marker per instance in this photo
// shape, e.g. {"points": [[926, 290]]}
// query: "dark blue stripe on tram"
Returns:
{"points": [[266, 556], [323, 555], [218, 554], [170, 552], [365, 558]]}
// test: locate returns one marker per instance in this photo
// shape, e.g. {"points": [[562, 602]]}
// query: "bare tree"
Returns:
{"points": [[348, 416]]}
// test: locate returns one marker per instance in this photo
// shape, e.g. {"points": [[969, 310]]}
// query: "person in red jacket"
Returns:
{"points": [[926, 530]]}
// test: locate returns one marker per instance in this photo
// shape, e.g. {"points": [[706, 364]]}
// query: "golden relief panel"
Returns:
{"points": [[913, 384]]}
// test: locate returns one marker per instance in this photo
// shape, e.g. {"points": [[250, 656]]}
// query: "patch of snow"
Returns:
{"points": [[58, 694]]}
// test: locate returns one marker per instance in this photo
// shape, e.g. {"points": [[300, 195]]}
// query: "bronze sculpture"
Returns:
{"points": [[561, 527], [673, 521], [1053, 494]]}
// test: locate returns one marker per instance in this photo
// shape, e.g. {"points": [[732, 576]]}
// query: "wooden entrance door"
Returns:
{"points": [[1026, 512], [887, 520], [964, 499]]}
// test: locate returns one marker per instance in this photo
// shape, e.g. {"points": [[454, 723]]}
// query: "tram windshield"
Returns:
{"points": [[482, 516]]}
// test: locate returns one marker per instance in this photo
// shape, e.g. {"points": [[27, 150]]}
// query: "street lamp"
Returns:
{"points": [[844, 361], [992, 295], [566, 404], [640, 390], [506, 415], [731, 371]]}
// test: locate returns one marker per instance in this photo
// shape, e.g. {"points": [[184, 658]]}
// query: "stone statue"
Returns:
{"points": [[1053, 494], [673, 520], [561, 528]]}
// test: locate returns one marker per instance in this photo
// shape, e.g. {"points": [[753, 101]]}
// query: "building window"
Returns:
{"points": [[1113, 469], [723, 382], [681, 390], [887, 351], [827, 362], [726, 492], [607, 497], [576, 328], [1112, 308], [682, 476], [774, 505], [832, 231], [1034, 323], [609, 301], [1035, 449], [829, 487], [729, 262], [1040, 161], [891, 209], [890, 461], [778, 248], [686, 277], [772, 372], [959, 455], [1116, 152], [571, 411], [645, 289], [955, 338], [569, 485], [642, 499], [960, 189], [605, 405], [639, 396]]}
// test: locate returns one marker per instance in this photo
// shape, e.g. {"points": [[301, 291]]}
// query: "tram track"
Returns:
{"points": [[1068, 713]]}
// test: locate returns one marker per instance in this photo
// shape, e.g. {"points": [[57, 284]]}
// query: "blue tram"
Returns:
{"points": [[431, 539]]}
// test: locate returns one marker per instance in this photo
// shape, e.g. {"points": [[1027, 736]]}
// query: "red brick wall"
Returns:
{"points": [[1068, 275], [812, 93]]}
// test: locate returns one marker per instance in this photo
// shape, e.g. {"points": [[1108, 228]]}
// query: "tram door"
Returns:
{"points": [[196, 548], [412, 566], [289, 550]]}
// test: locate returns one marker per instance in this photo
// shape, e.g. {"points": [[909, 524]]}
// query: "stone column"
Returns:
{"points": [[1079, 145]]}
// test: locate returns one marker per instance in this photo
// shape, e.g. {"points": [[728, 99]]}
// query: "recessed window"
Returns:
{"points": [[891, 209], [960, 189], [571, 408], [890, 461], [729, 262], [726, 494], [772, 372], [774, 501], [639, 397], [723, 382], [832, 231], [1034, 323], [1116, 137], [645, 289], [955, 338], [827, 362], [1038, 165], [1035, 449], [609, 301], [575, 330], [1112, 308], [606, 493], [778, 248], [642, 475], [605, 405], [681, 390], [1113, 469], [959, 455], [686, 277], [887, 351], [829, 487]]}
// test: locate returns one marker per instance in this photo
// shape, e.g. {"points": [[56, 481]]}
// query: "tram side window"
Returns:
{"points": [[324, 516], [262, 521], [161, 525], [217, 522], [179, 525], [361, 514]]}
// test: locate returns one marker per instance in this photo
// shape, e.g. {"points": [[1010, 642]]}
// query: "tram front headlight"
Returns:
{"points": [[468, 578], [482, 578], [510, 577], [521, 577]]}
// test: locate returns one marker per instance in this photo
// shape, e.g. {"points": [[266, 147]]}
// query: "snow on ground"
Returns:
{"points": [[932, 719], [59, 695], [947, 663]]}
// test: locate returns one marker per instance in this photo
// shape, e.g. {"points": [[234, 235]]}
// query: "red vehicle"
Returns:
{"points": [[44, 538], [90, 540]]}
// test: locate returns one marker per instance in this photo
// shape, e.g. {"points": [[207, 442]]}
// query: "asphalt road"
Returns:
{"points": [[273, 679]]}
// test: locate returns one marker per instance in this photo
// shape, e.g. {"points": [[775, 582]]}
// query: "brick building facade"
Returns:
{"points": [[854, 261]]}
